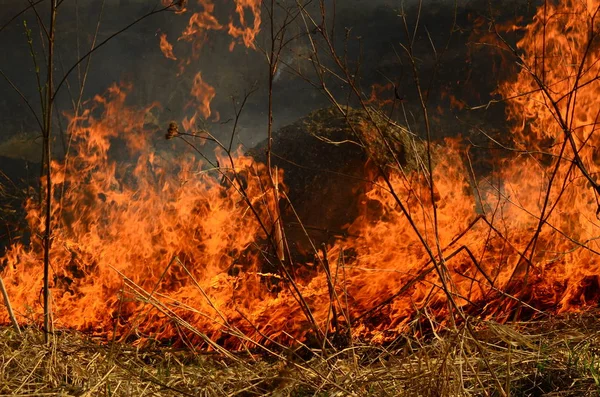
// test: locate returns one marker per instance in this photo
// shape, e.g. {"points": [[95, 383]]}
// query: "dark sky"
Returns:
{"points": [[135, 57]]}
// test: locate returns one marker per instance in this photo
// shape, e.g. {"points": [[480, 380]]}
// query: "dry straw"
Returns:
{"points": [[553, 357]]}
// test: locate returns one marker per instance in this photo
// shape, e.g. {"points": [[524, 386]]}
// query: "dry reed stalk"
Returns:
{"points": [[11, 314], [278, 232], [555, 357]]}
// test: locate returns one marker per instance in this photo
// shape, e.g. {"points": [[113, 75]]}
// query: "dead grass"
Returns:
{"points": [[553, 357]]}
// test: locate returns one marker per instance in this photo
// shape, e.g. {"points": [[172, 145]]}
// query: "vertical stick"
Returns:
{"points": [[272, 70], [47, 151], [13, 320], [278, 227], [332, 297], [273, 60]]}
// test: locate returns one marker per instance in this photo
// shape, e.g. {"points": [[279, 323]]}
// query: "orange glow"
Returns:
{"points": [[179, 5], [203, 94], [166, 47], [201, 21], [151, 245], [132, 218], [247, 30], [198, 26], [561, 47], [382, 95]]}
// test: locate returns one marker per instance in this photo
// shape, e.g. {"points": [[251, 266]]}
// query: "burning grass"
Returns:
{"points": [[551, 357], [166, 249]]}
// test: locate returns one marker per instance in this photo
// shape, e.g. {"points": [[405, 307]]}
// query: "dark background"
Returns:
{"points": [[374, 30], [375, 34]]}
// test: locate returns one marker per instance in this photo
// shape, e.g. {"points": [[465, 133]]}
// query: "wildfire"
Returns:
{"points": [[165, 247], [166, 47], [558, 119], [203, 95], [203, 21], [198, 26], [246, 32]]}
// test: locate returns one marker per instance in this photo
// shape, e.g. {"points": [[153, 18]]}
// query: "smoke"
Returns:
{"points": [[135, 57]]}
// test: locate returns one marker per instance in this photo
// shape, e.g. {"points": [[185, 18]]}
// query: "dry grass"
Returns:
{"points": [[553, 357]]}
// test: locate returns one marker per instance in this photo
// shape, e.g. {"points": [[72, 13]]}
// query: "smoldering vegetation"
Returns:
{"points": [[372, 244]]}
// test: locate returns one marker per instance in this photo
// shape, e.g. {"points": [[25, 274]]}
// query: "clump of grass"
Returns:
{"points": [[551, 357]]}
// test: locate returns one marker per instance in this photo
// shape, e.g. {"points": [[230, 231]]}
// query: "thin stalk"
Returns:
{"points": [[11, 314], [47, 150]]}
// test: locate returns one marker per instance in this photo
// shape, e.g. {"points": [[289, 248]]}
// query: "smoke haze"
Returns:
{"points": [[374, 27]]}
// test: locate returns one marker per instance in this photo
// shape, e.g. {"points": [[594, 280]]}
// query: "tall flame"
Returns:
{"points": [[202, 94], [131, 219], [554, 97], [153, 245]]}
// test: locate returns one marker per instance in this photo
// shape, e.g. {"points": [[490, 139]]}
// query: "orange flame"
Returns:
{"points": [[200, 22], [166, 47], [130, 219], [157, 247], [196, 30], [246, 32], [555, 95], [203, 95], [381, 95]]}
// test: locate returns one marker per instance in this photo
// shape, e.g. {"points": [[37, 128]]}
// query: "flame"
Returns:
{"points": [[498, 252], [179, 5], [131, 218], [203, 95], [244, 31], [202, 22], [198, 24], [166, 47], [150, 244], [555, 95], [196, 33]]}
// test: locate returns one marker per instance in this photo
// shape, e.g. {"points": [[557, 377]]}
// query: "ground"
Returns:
{"points": [[552, 356]]}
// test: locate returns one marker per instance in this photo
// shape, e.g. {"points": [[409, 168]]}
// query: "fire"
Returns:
{"points": [[200, 23], [246, 32], [558, 117], [203, 95], [154, 245], [198, 26], [166, 47], [534, 237], [131, 219]]}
